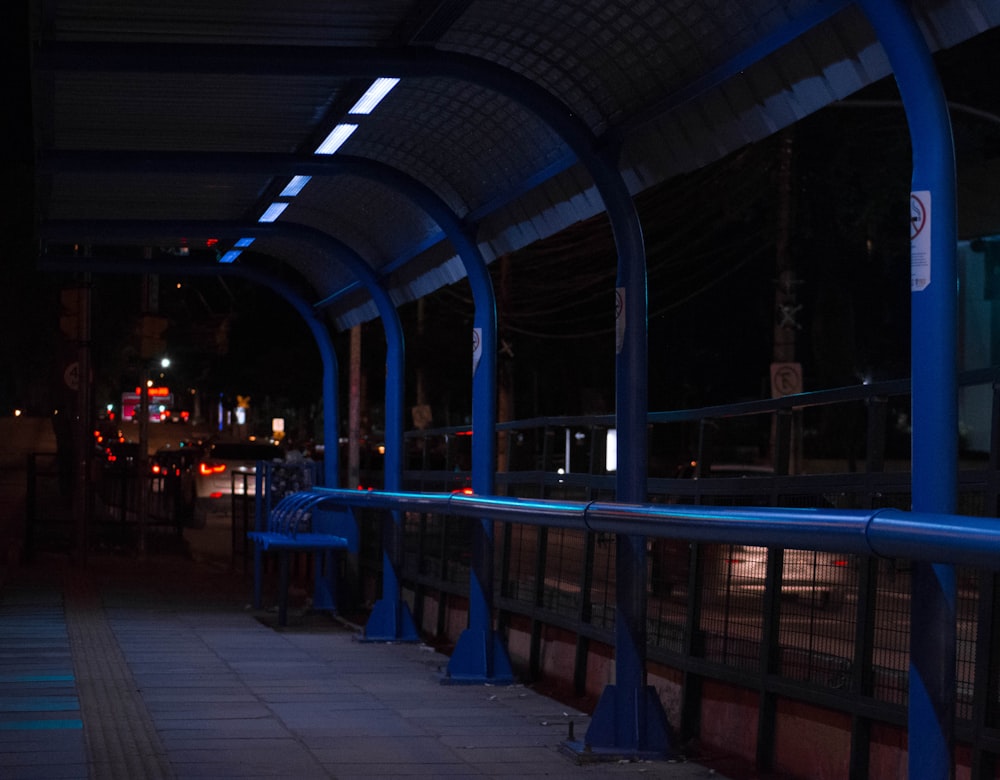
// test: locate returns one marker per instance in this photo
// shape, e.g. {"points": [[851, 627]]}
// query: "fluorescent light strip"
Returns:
{"points": [[230, 256], [273, 212], [373, 96], [336, 139], [243, 243], [295, 186]]}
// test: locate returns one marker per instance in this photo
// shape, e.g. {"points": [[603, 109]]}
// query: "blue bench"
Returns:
{"points": [[299, 523]]}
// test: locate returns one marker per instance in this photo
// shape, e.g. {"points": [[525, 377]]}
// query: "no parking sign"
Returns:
{"points": [[920, 240]]}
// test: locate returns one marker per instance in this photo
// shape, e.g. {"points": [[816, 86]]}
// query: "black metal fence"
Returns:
{"points": [[824, 629]]}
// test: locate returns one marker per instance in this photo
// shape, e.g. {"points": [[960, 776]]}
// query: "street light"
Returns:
{"points": [[144, 471]]}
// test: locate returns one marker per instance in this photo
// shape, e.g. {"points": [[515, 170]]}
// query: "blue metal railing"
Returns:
{"points": [[887, 533], [868, 535]]}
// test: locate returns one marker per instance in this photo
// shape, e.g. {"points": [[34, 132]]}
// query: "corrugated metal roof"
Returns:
{"points": [[678, 83]]}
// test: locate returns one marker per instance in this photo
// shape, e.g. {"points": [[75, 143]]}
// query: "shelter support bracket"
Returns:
{"points": [[628, 722], [390, 621], [479, 658]]}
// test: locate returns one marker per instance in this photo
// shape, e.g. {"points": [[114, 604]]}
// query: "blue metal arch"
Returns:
{"points": [[104, 230], [630, 717], [456, 230], [933, 344], [304, 308], [595, 156], [478, 665]]}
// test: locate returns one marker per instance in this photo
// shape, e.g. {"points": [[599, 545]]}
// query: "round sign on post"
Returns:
{"points": [[920, 240], [786, 379], [619, 319], [477, 348], [71, 376]]}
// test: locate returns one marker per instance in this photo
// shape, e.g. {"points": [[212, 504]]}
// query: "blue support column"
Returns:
{"points": [[629, 719], [479, 654], [390, 619], [933, 286]]}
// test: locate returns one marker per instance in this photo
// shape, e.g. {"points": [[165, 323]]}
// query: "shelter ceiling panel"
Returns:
{"points": [[824, 64], [461, 140], [196, 112], [607, 60], [565, 200], [75, 196], [379, 224], [337, 286], [947, 24], [664, 86], [342, 23]]}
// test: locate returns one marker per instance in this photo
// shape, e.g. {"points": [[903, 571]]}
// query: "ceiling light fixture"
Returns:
{"points": [[243, 243], [336, 139], [273, 212], [373, 96], [230, 256], [295, 186]]}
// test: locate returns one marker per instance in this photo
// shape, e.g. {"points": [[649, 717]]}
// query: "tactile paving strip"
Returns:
{"points": [[121, 739]]}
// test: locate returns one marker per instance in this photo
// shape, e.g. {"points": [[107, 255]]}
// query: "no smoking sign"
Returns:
{"points": [[920, 240]]}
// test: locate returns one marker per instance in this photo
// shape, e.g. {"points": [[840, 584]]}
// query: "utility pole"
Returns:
{"points": [[151, 344], [505, 366], [786, 371], [354, 411], [75, 325]]}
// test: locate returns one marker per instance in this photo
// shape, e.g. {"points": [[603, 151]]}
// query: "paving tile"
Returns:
{"points": [[218, 694]]}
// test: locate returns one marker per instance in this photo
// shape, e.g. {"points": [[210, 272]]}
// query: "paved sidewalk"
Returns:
{"points": [[159, 669]]}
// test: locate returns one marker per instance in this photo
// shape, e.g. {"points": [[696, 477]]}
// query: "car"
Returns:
{"points": [[119, 453], [172, 470], [228, 468], [176, 461], [820, 578]]}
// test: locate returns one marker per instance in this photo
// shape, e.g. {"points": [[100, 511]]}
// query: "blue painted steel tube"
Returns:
{"points": [[933, 342], [887, 533]]}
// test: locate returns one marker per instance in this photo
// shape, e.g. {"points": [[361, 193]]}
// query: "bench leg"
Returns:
{"points": [[283, 583], [325, 581]]}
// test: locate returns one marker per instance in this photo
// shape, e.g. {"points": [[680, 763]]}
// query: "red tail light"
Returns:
{"points": [[207, 469]]}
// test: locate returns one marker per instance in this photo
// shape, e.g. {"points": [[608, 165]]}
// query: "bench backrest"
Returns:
{"points": [[309, 512]]}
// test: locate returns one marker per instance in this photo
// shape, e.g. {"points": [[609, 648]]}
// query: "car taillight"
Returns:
{"points": [[207, 469], [157, 468]]}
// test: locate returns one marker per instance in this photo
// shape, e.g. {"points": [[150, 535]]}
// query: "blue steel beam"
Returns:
{"points": [[885, 533], [391, 611], [933, 345]]}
